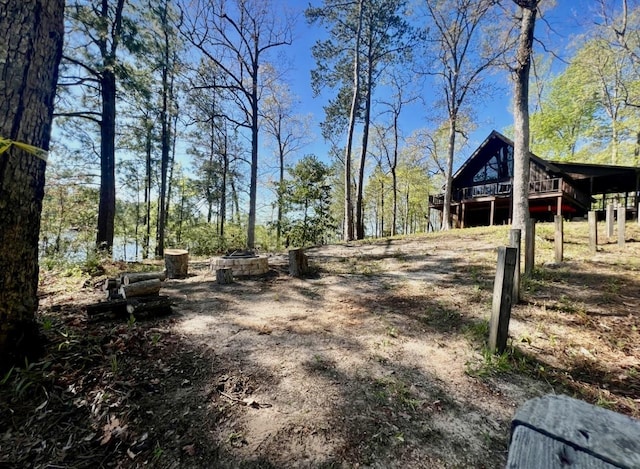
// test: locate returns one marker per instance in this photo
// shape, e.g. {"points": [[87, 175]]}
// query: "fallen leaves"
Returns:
{"points": [[113, 429]]}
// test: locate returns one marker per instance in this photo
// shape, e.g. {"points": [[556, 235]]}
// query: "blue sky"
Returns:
{"points": [[561, 23]]}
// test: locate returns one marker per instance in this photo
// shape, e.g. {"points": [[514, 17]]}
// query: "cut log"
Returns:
{"points": [[113, 294], [110, 284], [224, 276], [177, 262], [298, 263], [157, 305], [130, 278], [144, 288], [117, 307]]}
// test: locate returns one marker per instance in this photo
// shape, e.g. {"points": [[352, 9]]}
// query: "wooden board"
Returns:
{"points": [[611, 437], [532, 450]]}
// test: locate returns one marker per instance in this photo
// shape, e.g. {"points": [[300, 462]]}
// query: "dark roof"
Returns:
{"points": [[592, 178], [603, 178], [496, 138]]}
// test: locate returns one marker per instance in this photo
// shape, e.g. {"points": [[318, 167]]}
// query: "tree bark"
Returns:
{"points": [[30, 54], [521, 118], [128, 279], [298, 263], [107, 203], [451, 146], [143, 288], [363, 153], [177, 262], [348, 203]]}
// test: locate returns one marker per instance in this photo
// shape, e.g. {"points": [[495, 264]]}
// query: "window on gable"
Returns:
{"points": [[498, 168]]}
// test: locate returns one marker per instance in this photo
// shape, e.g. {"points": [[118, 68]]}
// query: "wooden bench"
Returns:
{"points": [[561, 432]]}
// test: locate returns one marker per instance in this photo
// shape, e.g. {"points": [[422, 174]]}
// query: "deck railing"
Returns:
{"points": [[505, 188]]}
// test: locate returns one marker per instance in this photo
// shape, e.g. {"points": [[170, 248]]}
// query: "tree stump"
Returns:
{"points": [[298, 263], [224, 276], [177, 262]]}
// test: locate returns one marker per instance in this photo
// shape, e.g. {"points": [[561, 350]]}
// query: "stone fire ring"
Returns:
{"points": [[241, 266]]}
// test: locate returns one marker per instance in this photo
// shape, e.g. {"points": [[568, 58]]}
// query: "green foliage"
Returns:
{"points": [[307, 198], [589, 111]]}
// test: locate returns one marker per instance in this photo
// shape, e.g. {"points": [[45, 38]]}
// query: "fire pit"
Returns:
{"points": [[241, 262]]}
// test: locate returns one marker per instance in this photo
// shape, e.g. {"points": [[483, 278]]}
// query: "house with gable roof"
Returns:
{"points": [[482, 187]]}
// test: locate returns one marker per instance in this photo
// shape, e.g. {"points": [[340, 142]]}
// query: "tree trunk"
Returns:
{"points": [[27, 88], [348, 204], [363, 153], [165, 140], [253, 188], [147, 196], [451, 147], [107, 203], [521, 119]]}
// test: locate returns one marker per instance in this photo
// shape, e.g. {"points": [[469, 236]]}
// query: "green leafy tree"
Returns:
{"points": [[365, 37], [307, 198], [91, 68]]}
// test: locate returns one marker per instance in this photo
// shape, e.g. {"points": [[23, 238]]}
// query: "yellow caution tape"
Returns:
{"points": [[5, 144]]}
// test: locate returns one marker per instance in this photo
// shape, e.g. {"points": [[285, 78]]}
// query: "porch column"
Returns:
{"points": [[462, 215], [559, 206], [492, 212]]}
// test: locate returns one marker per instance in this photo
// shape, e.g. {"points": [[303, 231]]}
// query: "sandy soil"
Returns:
{"points": [[377, 360]]}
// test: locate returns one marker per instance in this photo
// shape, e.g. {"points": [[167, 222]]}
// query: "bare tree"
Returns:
{"points": [[236, 36], [463, 56], [27, 90], [399, 98], [289, 132]]}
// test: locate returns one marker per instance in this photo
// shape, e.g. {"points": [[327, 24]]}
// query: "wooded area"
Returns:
{"points": [[210, 161], [157, 139]]}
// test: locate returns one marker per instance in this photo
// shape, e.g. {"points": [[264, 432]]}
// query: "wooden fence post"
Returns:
{"points": [[610, 216], [622, 219], [502, 300], [593, 232], [515, 237], [559, 238], [530, 253]]}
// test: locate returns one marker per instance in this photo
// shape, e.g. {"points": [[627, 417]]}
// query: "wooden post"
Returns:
{"points": [[298, 263], [224, 276], [638, 214], [177, 262], [558, 238], [463, 215], [492, 212], [502, 300], [530, 253], [609, 217], [622, 219], [593, 232], [515, 237], [559, 205]]}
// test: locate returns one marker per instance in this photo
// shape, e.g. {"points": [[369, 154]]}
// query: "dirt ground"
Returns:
{"points": [[377, 360]]}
